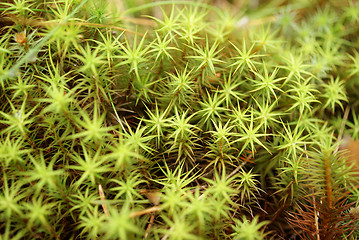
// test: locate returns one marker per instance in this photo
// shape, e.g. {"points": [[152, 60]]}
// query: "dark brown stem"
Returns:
{"points": [[328, 181]]}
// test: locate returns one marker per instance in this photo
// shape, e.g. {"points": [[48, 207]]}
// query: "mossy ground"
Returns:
{"points": [[178, 120]]}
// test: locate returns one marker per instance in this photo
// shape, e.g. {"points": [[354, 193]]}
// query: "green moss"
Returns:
{"points": [[184, 120]]}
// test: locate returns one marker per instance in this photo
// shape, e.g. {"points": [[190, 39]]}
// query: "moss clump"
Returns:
{"points": [[184, 120]]}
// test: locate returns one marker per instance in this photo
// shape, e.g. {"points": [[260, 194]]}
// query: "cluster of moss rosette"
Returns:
{"points": [[178, 120]]}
